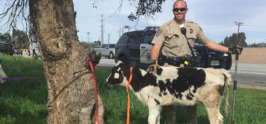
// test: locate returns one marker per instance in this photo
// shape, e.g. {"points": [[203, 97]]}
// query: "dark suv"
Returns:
{"points": [[5, 46], [136, 46]]}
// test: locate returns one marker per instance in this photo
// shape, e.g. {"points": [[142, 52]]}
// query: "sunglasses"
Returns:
{"points": [[181, 9]]}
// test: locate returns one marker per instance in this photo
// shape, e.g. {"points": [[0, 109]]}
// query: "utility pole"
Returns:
{"points": [[88, 33], [119, 32], [108, 38], [102, 29], [238, 24]]}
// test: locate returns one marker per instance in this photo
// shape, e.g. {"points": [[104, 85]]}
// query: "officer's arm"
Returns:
{"points": [[210, 44], [155, 52], [215, 46]]}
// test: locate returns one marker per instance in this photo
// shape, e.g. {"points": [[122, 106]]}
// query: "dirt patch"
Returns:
{"points": [[252, 55]]}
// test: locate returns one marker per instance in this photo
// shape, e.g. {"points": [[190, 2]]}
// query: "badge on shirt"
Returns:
{"points": [[160, 30], [191, 31]]}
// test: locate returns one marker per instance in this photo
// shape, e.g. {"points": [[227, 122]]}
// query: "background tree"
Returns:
{"points": [[97, 43], [231, 40], [85, 44], [20, 37], [70, 99], [8, 36], [254, 45]]}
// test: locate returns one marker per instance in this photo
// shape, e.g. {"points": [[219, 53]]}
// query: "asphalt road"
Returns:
{"points": [[253, 75], [247, 75]]}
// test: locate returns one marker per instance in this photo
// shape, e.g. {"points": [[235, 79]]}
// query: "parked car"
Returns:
{"points": [[211, 58], [17, 51], [5, 46], [107, 50], [136, 46], [94, 47]]}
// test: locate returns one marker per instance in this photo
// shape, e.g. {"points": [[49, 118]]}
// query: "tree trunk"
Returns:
{"points": [[71, 96]]}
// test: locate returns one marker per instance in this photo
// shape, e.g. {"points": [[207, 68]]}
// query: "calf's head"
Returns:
{"points": [[120, 74]]}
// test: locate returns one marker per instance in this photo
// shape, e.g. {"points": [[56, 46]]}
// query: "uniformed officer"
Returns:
{"points": [[175, 37]]}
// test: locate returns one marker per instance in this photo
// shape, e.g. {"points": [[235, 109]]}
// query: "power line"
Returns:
{"points": [[218, 27], [255, 25]]}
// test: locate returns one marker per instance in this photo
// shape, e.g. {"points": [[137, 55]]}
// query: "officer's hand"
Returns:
{"points": [[153, 67], [236, 49]]}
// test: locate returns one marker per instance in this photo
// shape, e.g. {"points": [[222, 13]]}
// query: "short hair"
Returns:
{"points": [[180, 0]]}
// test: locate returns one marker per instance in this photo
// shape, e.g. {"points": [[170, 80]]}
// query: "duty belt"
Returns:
{"points": [[173, 60]]}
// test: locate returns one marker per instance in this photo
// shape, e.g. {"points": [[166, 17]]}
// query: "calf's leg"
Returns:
{"points": [[214, 116], [191, 114], [154, 115], [212, 105], [170, 114], [220, 117]]}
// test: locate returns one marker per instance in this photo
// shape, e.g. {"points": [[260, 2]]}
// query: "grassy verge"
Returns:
{"points": [[24, 102]]}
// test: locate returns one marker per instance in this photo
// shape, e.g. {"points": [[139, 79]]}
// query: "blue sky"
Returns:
{"points": [[216, 17]]}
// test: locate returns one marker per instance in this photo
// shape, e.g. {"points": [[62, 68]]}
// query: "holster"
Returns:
{"points": [[193, 61]]}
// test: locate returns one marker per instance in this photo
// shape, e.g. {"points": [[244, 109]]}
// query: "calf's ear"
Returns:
{"points": [[132, 63]]}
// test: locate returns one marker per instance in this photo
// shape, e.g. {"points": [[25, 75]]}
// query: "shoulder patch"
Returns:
{"points": [[191, 22], [160, 30]]}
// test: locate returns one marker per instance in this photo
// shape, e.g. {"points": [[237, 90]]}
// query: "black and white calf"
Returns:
{"points": [[2, 73], [175, 86]]}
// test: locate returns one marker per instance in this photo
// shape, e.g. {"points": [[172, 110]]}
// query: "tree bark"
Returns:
{"points": [[71, 96]]}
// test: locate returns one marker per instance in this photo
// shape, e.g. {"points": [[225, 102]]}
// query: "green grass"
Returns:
{"points": [[24, 101]]}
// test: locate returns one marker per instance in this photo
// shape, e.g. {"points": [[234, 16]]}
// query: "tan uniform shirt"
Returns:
{"points": [[175, 43]]}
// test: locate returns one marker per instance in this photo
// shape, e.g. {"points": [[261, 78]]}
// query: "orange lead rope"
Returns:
{"points": [[95, 89], [128, 97]]}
